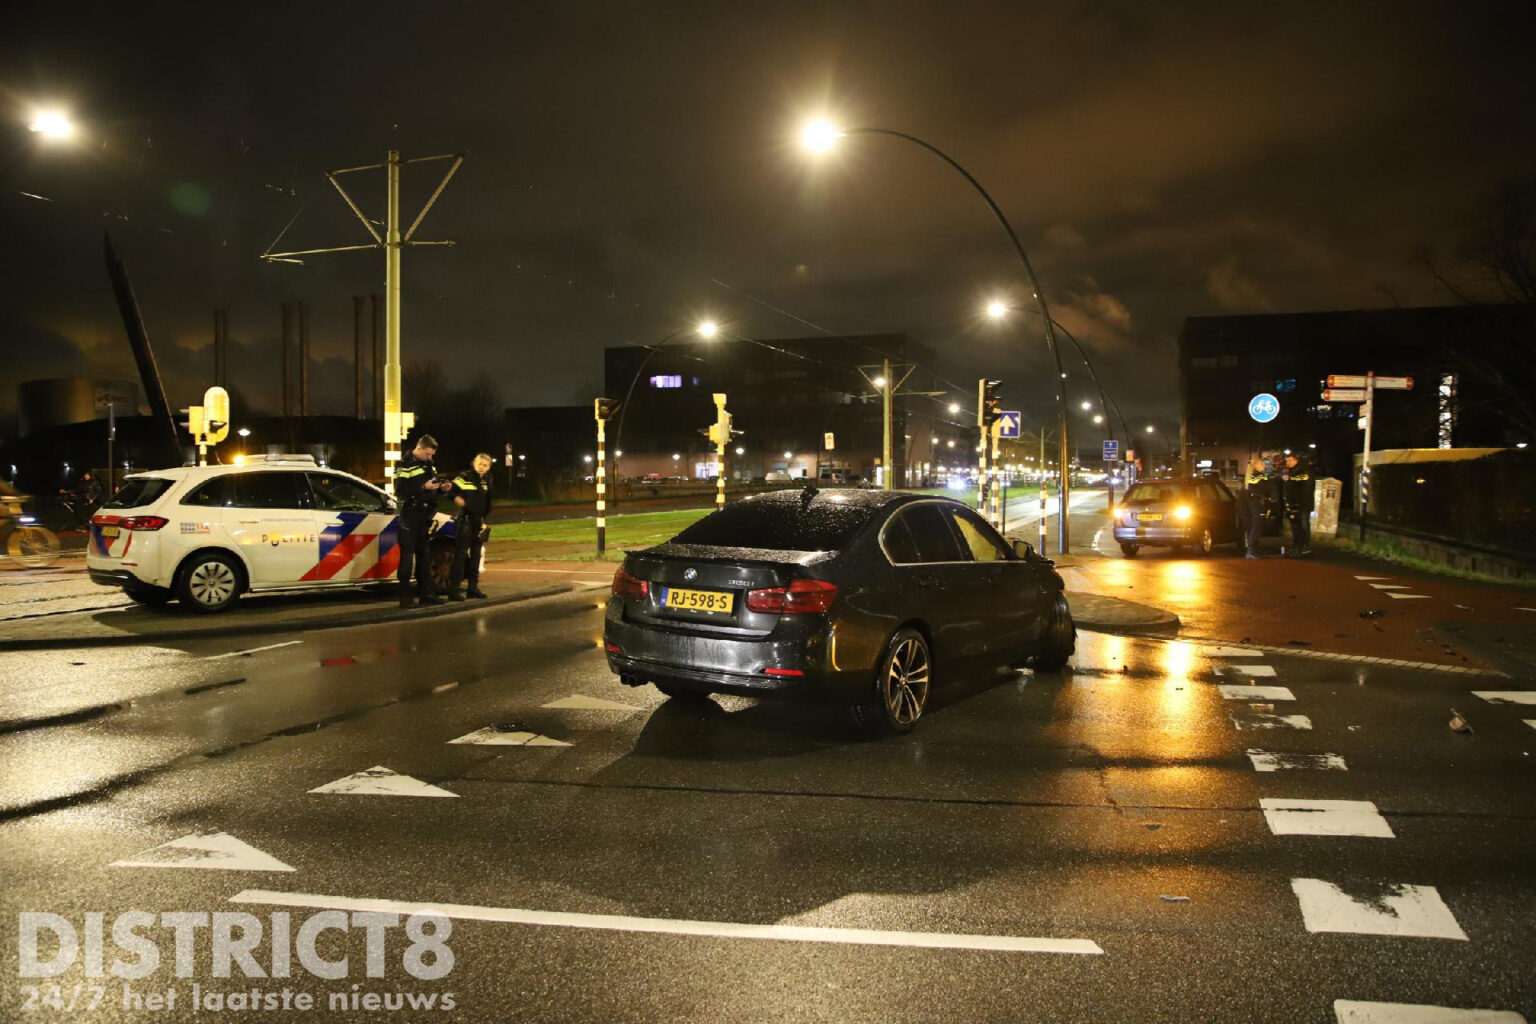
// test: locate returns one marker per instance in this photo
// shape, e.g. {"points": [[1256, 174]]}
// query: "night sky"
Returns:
{"points": [[633, 167]]}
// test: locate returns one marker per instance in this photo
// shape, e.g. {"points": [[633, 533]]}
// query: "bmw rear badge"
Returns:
{"points": [[690, 574]]}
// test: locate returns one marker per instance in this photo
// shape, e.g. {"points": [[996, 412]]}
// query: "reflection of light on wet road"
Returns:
{"points": [[1175, 692], [1180, 582]]}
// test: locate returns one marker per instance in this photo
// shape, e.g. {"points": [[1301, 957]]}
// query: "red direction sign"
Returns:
{"points": [[1345, 380], [1395, 383], [1355, 380], [1343, 394]]}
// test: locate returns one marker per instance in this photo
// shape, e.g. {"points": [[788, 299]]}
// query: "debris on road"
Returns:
{"points": [[1173, 899], [1458, 723], [1372, 614]]}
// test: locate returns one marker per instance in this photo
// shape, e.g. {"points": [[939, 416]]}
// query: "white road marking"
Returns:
{"points": [[665, 926], [380, 781], [1530, 722], [1389, 586], [1230, 691], [211, 851], [1373, 577], [1229, 652], [253, 650], [581, 703], [1251, 671], [1275, 761], [1507, 696], [1408, 597], [1251, 722], [494, 736], [1350, 1011], [1521, 608], [1325, 818], [1409, 911]]}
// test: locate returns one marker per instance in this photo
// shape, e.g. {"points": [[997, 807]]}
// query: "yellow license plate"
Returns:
{"points": [[698, 600], [1150, 517], [109, 532]]}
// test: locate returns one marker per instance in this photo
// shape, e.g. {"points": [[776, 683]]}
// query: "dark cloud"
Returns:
{"points": [[1159, 161]]}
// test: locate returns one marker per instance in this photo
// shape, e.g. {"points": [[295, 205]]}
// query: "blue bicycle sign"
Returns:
{"points": [[1263, 407]]}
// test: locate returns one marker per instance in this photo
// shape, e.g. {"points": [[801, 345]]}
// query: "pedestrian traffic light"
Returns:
{"points": [[604, 408], [991, 404]]}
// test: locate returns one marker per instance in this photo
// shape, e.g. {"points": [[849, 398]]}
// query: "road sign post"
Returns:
{"points": [[1353, 387]]}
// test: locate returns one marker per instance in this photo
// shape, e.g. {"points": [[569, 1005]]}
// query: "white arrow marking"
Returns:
{"points": [[1388, 586], [580, 703], [1507, 696], [1231, 692], [211, 851], [664, 926], [380, 781], [498, 736], [1408, 597], [1350, 1011], [1276, 761], [1410, 911], [1325, 818], [1373, 577], [1261, 721]]}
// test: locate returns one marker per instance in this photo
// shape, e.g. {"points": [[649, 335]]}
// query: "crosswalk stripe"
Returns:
{"points": [[1251, 671], [1408, 911], [1263, 721], [1276, 761], [1507, 696], [1231, 691], [380, 781], [1407, 597], [1288, 817]]}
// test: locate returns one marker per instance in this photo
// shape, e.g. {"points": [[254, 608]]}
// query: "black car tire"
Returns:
{"points": [[676, 692], [1206, 543], [1060, 638], [1129, 548], [440, 565], [144, 594], [208, 582], [903, 678]]}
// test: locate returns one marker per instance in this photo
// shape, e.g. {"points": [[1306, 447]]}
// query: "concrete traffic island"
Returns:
{"points": [[1114, 615]]}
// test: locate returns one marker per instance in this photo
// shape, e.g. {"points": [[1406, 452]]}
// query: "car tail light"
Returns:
{"points": [[146, 523], [799, 598], [1183, 512], [630, 588]]}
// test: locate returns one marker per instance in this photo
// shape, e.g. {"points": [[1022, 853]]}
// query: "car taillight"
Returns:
{"points": [[142, 522], [799, 598], [630, 588]]}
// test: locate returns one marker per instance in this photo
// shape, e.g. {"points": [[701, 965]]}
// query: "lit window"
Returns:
{"points": [[664, 380]]}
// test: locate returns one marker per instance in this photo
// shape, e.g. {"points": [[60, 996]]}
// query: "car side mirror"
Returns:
{"points": [[391, 505], [1023, 549]]}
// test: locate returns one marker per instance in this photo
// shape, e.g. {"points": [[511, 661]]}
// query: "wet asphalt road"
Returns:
{"points": [[1115, 805]]}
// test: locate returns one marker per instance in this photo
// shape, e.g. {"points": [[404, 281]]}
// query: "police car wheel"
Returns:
{"points": [[1129, 548], [1207, 543], [208, 582], [441, 567]]}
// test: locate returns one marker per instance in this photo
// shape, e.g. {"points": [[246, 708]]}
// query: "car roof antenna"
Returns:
{"points": [[807, 496]]}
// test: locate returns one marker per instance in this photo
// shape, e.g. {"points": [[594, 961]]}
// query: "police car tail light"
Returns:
{"points": [[1183, 512], [631, 588], [799, 598], [145, 523]]}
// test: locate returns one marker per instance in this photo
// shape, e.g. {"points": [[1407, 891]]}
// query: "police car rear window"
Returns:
{"points": [[1150, 493], [139, 492]]}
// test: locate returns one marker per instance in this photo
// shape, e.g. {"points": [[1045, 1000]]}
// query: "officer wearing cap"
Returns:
{"points": [[417, 488], [472, 496]]}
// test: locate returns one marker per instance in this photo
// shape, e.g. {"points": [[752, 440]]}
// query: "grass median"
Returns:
{"points": [[575, 540]]}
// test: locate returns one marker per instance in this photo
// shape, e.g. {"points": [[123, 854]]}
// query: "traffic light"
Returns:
{"points": [[604, 408], [193, 421], [216, 414], [991, 404]]}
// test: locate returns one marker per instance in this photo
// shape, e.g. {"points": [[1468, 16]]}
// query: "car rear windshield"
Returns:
{"points": [[138, 493], [1150, 493], [823, 525]]}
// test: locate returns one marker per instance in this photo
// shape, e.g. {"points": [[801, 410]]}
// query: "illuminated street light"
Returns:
{"points": [[741, 451], [586, 458], [675, 456], [1151, 429], [878, 382], [789, 455], [1098, 418], [244, 431], [954, 408], [618, 455], [52, 124], [1085, 406], [819, 136], [997, 309], [708, 329]]}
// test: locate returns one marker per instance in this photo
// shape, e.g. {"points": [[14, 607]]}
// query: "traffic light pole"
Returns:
{"points": [[722, 438], [600, 413]]}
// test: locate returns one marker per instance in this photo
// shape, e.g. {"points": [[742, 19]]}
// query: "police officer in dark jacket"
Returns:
{"points": [[1296, 491], [417, 488], [472, 496]]}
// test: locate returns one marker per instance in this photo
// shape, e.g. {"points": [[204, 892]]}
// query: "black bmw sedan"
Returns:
{"points": [[860, 598]]}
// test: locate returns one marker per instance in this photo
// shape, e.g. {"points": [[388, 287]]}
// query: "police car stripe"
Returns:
{"points": [[334, 535], [339, 557]]}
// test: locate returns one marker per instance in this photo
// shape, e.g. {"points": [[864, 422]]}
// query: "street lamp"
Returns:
{"points": [[52, 124], [819, 136], [954, 408]]}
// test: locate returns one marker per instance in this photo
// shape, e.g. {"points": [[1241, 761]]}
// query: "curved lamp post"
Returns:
{"points": [[819, 136]]}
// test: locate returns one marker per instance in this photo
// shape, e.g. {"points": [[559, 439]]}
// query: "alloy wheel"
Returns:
{"points": [[212, 583], [906, 681]]}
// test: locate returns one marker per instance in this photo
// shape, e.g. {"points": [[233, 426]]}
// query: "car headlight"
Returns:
{"points": [[1183, 512]]}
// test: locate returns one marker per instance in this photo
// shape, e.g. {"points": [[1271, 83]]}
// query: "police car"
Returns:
{"points": [[206, 534]]}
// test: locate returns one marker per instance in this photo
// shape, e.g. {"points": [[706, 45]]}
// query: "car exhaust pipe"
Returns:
{"points": [[630, 679]]}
